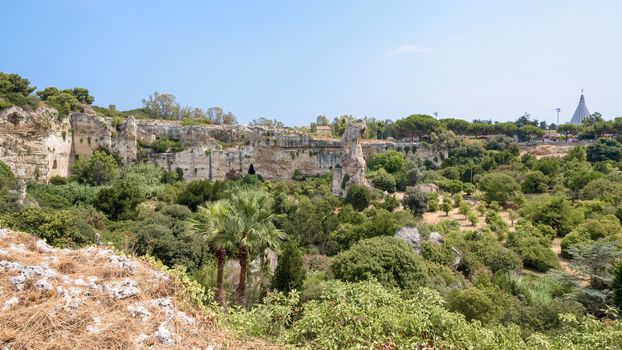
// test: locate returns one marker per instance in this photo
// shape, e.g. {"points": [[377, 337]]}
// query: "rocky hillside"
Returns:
{"points": [[92, 298]]}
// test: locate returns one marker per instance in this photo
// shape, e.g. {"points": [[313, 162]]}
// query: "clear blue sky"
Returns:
{"points": [[293, 60]]}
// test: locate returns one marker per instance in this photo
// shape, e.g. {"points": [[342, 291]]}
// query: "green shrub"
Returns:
{"points": [[451, 186], [416, 201], [535, 254], [389, 203], [164, 145], [366, 315], [7, 178], [314, 284], [573, 240], [63, 196], [99, 169], [535, 182], [15, 90], [381, 179], [474, 304], [64, 103], [437, 253], [387, 259], [57, 227], [604, 149], [120, 200], [196, 193], [484, 249], [554, 211], [298, 175], [290, 272], [268, 319], [616, 286], [496, 223], [433, 202], [499, 187], [58, 180], [391, 161], [358, 196]]}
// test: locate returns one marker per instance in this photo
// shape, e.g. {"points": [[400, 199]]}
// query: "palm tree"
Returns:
{"points": [[211, 222], [252, 223]]}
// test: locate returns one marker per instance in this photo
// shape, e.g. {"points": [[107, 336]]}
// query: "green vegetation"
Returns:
{"points": [[416, 201], [15, 90], [388, 260], [290, 272], [342, 280], [99, 169]]}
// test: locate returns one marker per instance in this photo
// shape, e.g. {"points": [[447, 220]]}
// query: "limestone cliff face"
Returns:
{"points": [[353, 165], [272, 157], [35, 144], [89, 132], [38, 144]]}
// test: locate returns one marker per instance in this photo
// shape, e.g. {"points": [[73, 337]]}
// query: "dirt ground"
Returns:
{"points": [[559, 149], [454, 214], [465, 225]]}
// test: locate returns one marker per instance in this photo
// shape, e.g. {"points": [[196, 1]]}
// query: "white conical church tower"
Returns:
{"points": [[581, 112]]}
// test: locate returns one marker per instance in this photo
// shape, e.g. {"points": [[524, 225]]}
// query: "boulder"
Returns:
{"points": [[411, 236], [436, 238]]}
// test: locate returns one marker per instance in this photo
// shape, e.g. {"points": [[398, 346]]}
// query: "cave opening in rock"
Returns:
{"points": [[251, 170]]}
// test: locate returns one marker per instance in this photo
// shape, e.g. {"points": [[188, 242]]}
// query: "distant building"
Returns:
{"points": [[581, 112], [323, 130], [551, 136]]}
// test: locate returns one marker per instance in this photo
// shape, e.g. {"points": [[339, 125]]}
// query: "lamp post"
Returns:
{"points": [[558, 110], [435, 114]]}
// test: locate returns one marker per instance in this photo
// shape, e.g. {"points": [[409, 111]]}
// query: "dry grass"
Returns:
{"points": [[41, 320]]}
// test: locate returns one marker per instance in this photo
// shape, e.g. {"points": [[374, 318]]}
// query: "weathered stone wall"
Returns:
{"points": [[38, 145], [89, 133], [35, 144], [272, 158]]}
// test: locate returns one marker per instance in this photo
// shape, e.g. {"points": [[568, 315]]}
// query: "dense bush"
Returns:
{"points": [[535, 252], [196, 193], [120, 200], [99, 169], [604, 190], [290, 272], [554, 211], [164, 145], [499, 187], [358, 196], [591, 229], [365, 315], [535, 182], [388, 260], [474, 304], [376, 222], [485, 250], [391, 161], [616, 286], [416, 201], [66, 101], [7, 178], [15, 90], [63, 196], [165, 235], [57, 227], [381, 179], [604, 149]]}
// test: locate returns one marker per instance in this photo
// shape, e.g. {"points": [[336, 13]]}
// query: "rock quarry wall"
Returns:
{"points": [[39, 145]]}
